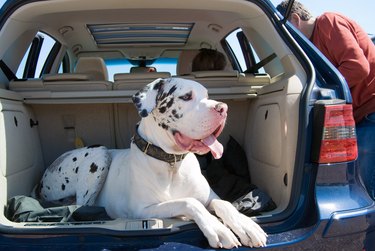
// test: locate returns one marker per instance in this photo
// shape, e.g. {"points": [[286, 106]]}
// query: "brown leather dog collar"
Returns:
{"points": [[155, 151]]}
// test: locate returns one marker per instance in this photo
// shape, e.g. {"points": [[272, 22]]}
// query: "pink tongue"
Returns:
{"points": [[214, 145]]}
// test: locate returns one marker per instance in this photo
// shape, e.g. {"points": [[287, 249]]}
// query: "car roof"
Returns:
{"points": [[135, 30]]}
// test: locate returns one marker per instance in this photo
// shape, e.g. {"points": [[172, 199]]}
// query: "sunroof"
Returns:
{"points": [[140, 34]]}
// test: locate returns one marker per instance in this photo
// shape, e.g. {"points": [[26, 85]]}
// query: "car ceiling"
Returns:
{"points": [[71, 22]]}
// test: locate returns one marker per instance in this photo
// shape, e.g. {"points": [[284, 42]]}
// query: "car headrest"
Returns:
{"points": [[94, 66]]}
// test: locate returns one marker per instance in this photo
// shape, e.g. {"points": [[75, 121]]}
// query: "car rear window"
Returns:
{"points": [[123, 66]]}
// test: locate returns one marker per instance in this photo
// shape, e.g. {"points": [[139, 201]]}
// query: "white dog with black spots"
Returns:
{"points": [[159, 176]]}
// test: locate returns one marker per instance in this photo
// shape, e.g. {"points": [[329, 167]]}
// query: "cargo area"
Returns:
{"points": [[41, 124], [76, 100]]}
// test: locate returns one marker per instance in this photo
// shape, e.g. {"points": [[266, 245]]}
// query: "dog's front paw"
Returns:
{"points": [[218, 235], [249, 232]]}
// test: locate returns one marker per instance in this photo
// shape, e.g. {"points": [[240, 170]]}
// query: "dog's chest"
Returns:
{"points": [[163, 181], [166, 182]]}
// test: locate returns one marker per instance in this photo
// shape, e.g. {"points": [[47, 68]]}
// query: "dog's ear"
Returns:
{"points": [[145, 99]]}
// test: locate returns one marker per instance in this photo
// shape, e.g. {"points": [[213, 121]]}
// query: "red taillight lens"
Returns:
{"points": [[338, 141]]}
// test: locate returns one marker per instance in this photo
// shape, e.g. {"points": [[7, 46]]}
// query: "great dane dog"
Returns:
{"points": [[159, 176]]}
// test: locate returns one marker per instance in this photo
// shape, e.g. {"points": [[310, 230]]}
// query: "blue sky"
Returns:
{"points": [[362, 11]]}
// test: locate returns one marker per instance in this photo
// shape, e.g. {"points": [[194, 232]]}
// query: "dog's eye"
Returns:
{"points": [[188, 96]]}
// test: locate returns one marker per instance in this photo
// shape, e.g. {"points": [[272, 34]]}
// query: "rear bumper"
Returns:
{"points": [[346, 230], [345, 214]]}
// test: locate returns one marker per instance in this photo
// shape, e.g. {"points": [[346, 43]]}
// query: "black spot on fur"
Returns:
{"points": [[48, 188], [164, 126], [163, 102], [136, 100], [76, 171], [74, 159], [87, 191], [159, 84], [63, 187], [60, 169], [66, 180], [93, 167], [139, 106], [172, 90], [162, 96], [86, 154], [170, 102], [162, 109]]}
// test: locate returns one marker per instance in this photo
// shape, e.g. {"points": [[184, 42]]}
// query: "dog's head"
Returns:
{"points": [[183, 109]]}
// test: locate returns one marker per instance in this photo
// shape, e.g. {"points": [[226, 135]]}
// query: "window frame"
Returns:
{"points": [[247, 51], [40, 57], [52, 55], [33, 56]]}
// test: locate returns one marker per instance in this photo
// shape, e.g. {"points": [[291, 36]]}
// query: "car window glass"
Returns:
{"points": [[47, 44], [61, 68], [234, 44], [166, 65], [64, 66], [123, 66]]}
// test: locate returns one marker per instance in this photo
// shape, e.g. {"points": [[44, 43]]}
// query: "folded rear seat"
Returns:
{"points": [[91, 75], [228, 78], [225, 78]]}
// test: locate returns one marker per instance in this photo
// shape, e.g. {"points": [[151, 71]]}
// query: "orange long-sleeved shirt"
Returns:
{"points": [[350, 49]]}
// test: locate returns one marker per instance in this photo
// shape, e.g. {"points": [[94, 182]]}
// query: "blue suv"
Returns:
{"points": [[70, 67]]}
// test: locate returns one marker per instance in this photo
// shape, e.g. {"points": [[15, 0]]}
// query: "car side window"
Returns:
{"points": [[37, 57], [64, 65], [242, 51]]}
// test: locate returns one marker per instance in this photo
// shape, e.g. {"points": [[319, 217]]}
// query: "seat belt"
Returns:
{"points": [[7, 71], [261, 63]]}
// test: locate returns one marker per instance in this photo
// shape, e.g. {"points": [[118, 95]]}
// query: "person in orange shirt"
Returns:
{"points": [[349, 48]]}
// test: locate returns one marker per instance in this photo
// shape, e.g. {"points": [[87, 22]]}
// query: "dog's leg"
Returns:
{"points": [[92, 173], [218, 235], [249, 232]]}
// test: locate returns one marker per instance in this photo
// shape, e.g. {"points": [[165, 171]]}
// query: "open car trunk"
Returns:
{"points": [[38, 126]]}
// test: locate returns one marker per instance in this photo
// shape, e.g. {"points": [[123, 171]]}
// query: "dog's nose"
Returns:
{"points": [[221, 108]]}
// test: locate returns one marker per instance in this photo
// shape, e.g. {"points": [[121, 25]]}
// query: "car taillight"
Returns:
{"points": [[334, 138]]}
